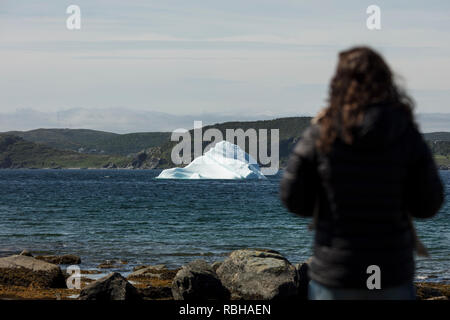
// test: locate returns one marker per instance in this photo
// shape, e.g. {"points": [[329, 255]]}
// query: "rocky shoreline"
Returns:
{"points": [[248, 274]]}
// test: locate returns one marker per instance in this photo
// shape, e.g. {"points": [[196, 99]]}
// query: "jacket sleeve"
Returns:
{"points": [[425, 192], [298, 185]]}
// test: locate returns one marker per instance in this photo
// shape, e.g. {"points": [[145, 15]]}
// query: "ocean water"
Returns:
{"points": [[123, 214]]}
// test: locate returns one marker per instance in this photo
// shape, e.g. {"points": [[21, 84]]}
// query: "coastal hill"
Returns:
{"points": [[15, 152], [83, 148], [437, 136], [290, 131], [93, 141]]}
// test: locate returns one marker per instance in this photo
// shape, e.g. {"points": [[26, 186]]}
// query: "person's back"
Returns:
{"points": [[362, 170]]}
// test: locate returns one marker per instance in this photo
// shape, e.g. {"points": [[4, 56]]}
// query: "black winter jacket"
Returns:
{"points": [[364, 193]]}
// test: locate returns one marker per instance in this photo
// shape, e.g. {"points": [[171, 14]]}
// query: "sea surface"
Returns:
{"points": [[129, 215]]}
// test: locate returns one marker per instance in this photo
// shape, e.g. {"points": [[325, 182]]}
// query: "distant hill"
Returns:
{"points": [[290, 131], [70, 139], [92, 141], [100, 142], [46, 148], [125, 144], [439, 143], [15, 152], [437, 136]]}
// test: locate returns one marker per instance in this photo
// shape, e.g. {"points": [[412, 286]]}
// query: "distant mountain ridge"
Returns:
{"points": [[437, 136]]}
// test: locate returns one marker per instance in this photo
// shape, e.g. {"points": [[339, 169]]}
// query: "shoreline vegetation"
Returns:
{"points": [[246, 274], [91, 149]]}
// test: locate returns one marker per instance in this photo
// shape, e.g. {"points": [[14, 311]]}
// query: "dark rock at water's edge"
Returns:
{"points": [[110, 264], [110, 165], [112, 287], [157, 267], [157, 271], [156, 293], [432, 291], [26, 252], [198, 281], [258, 275], [153, 281], [63, 259], [22, 270], [246, 274], [216, 265]]}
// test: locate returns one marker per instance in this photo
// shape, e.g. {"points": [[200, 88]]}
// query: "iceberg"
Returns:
{"points": [[224, 161]]}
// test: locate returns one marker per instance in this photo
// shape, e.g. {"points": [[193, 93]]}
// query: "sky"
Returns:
{"points": [[152, 65]]}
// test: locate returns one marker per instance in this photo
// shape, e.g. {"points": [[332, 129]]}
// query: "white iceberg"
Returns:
{"points": [[224, 161]]}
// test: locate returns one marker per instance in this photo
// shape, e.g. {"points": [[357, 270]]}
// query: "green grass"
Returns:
{"points": [[125, 144], [93, 141], [18, 153], [442, 160], [47, 148]]}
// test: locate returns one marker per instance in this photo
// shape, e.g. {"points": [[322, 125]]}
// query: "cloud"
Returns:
{"points": [[432, 122], [144, 55]]}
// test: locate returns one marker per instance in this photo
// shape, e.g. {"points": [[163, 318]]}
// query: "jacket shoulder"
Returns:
{"points": [[306, 147]]}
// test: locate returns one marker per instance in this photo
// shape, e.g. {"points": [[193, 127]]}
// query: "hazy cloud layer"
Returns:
{"points": [[123, 120], [246, 58], [112, 120]]}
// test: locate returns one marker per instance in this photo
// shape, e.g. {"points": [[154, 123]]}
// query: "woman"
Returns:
{"points": [[362, 169]]}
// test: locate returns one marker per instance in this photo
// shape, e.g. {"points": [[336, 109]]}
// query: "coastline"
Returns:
{"points": [[151, 282]]}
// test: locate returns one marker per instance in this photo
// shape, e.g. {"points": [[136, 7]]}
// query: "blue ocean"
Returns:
{"points": [[129, 215]]}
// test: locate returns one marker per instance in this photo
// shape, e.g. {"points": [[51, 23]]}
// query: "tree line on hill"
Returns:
{"points": [[82, 148]]}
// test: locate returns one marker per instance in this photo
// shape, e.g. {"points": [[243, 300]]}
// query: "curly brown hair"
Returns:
{"points": [[362, 79]]}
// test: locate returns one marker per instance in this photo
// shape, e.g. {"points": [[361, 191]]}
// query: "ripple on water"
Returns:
{"points": [[130, 215]]}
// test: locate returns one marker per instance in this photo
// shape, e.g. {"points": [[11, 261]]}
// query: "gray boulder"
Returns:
{"points": [[63, 259], [216, 265], [22, 270], [147, 272], [158, 271], [111, 287], [258, 275], [153, 272], [156, 267], [26, 253], [198, 281]]}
